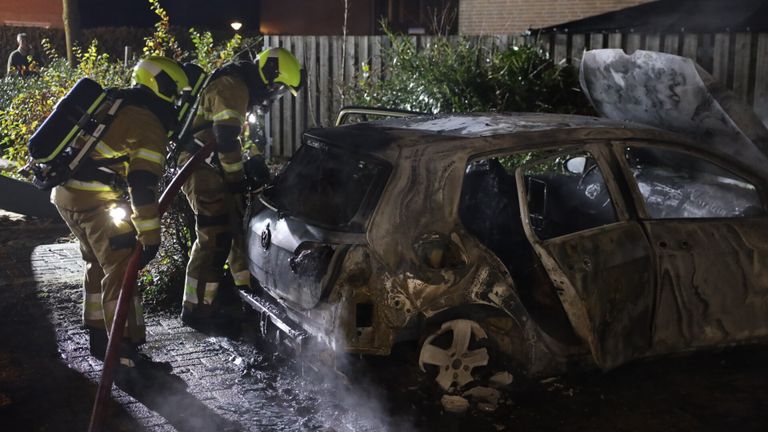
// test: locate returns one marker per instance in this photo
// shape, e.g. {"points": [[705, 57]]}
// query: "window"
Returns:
{"points": [[675, 185], [567, 194], [327, 187], [489, 209]]}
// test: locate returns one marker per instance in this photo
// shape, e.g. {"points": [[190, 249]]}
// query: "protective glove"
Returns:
{"points": [[238, 191], [148, 252]]}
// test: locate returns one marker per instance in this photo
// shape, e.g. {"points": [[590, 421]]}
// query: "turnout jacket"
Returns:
{"points": [[139, 139], [224, 101]]}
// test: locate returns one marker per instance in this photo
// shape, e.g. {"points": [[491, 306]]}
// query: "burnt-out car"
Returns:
{"points": [[544, 241]]}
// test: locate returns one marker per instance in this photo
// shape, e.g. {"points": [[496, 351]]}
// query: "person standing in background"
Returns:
{"points": [[19, 60]]}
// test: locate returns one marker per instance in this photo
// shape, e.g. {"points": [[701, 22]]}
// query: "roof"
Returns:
{"points": [[490, 124], [673, 16], [379, 136]]}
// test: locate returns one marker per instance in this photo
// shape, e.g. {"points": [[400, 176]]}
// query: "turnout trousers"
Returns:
{"points": [[106, 248], [220, 238]]}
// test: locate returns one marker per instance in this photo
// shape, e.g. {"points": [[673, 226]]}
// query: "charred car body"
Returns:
{"points": [[545, 240]]}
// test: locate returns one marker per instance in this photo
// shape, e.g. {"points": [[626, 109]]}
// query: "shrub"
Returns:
{"points": [[461, 75]]}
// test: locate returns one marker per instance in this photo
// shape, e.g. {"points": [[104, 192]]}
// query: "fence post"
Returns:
{"points": [[596, 41], [652, 42], [337, 44], [577, 49], [310, 55], [560, 48], [633, 42], [720, 57], [741, 69], [350, 54], [288, 129], [128, 56], [690, 46], [761, 78], [614, 40], [324, 83], [376, 71], [671, 42]]}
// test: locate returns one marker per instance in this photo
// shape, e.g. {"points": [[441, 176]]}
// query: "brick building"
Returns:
{"points": [[31, 13], [515, 16], [326, 17]]}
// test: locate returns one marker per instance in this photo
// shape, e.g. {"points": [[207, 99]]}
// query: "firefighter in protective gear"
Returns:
{"points": [[93, 204], [216, 192]]}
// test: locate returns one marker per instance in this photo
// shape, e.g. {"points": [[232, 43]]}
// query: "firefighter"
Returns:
{"points": [[108, 224], [216, 192]]}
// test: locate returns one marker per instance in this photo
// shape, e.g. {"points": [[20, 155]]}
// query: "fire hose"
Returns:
{"points": [[127, 289]]}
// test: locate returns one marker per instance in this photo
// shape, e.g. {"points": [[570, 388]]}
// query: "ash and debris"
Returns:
{"points": [[48, 380]]}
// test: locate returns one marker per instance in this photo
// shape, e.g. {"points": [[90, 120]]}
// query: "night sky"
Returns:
{"points": [[186, 13]]}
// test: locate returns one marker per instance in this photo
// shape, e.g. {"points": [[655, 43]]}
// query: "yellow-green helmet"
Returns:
{"points": [[163, 76], [280, 70]]}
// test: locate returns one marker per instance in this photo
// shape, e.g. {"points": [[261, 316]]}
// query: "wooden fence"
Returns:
{"points": [[740, 60]]}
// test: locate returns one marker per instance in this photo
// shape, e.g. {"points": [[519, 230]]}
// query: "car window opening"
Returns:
{"points": [[674, 185], [566, 197], [327, 187], [489, 209]]}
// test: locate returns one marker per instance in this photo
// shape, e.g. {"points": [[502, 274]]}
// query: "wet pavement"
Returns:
{"points": [[48, 380]]}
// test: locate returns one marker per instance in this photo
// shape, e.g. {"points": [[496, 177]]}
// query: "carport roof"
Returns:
{"points": [[674, 16]]}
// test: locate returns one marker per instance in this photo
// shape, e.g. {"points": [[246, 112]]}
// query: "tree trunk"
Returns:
{"points": [[71, 19]]}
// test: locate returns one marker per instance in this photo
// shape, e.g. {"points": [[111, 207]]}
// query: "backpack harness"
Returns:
{"points": [[60, 148]]}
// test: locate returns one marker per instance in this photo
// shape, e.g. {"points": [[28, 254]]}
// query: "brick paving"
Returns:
{"points": [[48, 378]]}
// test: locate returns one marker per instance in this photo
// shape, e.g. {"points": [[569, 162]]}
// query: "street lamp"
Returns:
{"points": [[236, 25]]}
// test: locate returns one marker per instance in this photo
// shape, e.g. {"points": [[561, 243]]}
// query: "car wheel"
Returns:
{"points": [[456, 353]]}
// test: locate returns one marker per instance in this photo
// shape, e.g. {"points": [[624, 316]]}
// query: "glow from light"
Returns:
{"points": [[236, 25], [118, 215], [252, 118]]}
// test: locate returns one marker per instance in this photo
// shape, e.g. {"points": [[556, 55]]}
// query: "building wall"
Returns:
{"points": [[31, 13], [316, 17], [515, 16]]}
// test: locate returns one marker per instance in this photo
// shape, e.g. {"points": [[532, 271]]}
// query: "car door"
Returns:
{"points": [[709, 231], [598, 259]]}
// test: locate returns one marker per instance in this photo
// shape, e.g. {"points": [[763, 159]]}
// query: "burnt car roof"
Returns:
{"points": [[381, 136], [491, 124]]}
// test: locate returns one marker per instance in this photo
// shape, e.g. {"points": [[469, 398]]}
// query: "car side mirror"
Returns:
{"points": [[438, 251], [576, 165]]}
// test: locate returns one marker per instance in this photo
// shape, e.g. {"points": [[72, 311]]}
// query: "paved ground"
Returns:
{"points": [[48, 380]]}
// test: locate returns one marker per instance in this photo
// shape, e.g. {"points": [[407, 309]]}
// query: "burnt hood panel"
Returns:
{"points": [[673, 93]]}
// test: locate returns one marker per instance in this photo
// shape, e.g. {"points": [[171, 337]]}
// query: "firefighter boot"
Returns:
{"points": [[199, 318], [137, 373], [97, 342], [211, 320]]}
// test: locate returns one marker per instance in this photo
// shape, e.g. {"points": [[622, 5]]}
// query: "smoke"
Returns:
{"points": [[316, 389], [355, 400]]}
